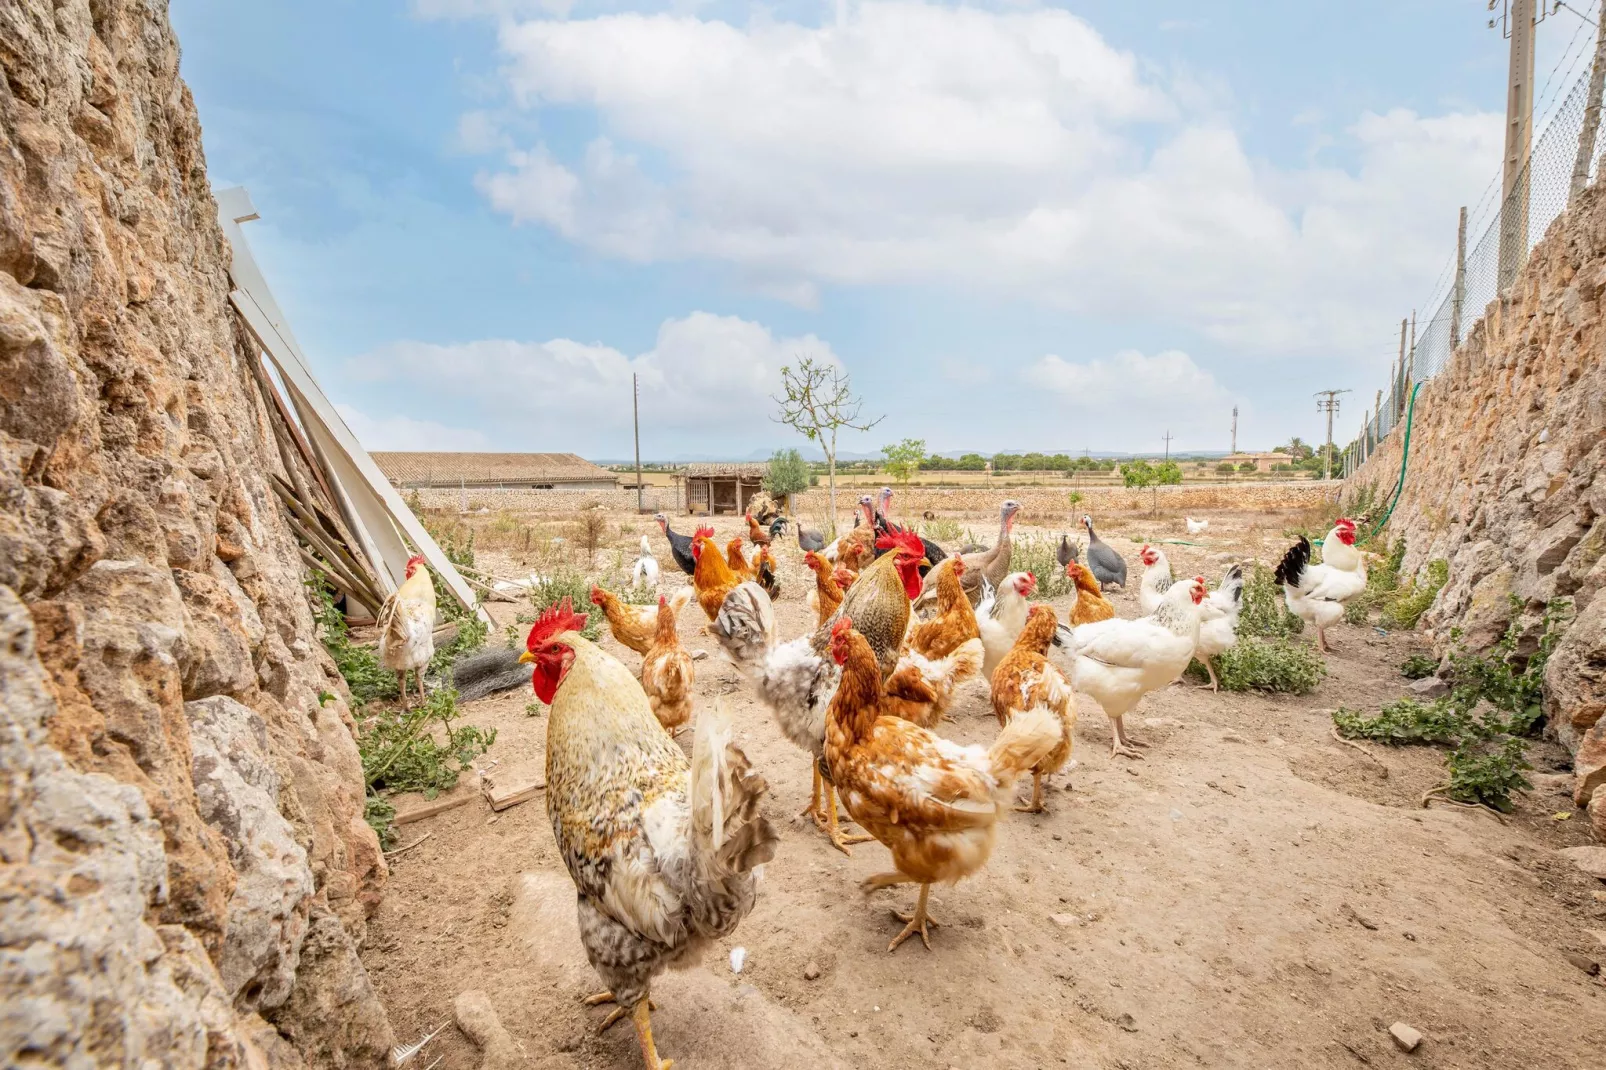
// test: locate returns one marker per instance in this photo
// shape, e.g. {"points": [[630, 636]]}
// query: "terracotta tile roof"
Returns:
{"points": [[488, 469]]}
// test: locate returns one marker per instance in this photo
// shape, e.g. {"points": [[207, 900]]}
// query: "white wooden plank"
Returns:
{"points": [[377, 505]]}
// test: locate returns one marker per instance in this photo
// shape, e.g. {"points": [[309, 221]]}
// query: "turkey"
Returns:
{"points": [[680, 545], [1107, 565]]}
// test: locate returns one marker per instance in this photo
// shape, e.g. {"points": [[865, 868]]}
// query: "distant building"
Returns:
{"points": [[722, 488], [1261, 461], [505, 471]]}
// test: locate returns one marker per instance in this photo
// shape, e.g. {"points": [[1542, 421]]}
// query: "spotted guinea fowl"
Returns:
{"points": [[1107, 565], [810, 540], [1066, 552]]}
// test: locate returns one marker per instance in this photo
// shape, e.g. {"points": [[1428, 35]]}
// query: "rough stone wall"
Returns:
{"points": [[1507, 478], [183, 860]]}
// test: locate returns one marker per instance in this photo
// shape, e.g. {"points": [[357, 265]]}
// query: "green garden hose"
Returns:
{"points": [[1405, 456]]}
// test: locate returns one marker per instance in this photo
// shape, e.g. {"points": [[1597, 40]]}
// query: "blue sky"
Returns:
{"points": [[1017, 226]]}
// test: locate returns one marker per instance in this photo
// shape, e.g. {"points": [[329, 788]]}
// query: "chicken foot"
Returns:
{"points": [[1321, 640], [1210, 667], [1036, 805], [401, 685], [614, 1015], [1121, 744], [919, 921], [839, 839], [642, 1016]]}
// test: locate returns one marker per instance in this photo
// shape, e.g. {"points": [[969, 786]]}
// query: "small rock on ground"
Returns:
{"points": [[1428, 687], [1592, 860], [1407, 1038], [811, 972], [478, 1021]]}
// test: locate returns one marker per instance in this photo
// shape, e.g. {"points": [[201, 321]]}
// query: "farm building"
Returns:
{"points": [[722, 488], [1262, 461], [505, 471]]}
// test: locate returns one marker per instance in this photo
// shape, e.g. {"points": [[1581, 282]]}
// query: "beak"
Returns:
{"points": [[923, 563], [526, 657]]}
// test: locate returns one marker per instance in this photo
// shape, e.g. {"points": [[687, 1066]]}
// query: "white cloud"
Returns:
{"points": [[953, 145], [1129, 388], [405, 433], [709, 375]]}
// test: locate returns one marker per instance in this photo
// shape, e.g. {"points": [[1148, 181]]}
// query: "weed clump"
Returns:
{"points": [[1266, 657], [1037, 557], [1418, 667]]}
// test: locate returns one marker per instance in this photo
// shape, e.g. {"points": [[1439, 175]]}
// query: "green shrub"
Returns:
{"points": [[1276, 664], [1407, 721], [1487, 772], [788, 474], [1037, 557], [1382, 580], [942, 530], [366, 679], [1407, 605], [1418, 667], [401, 753], [1263, 611]]}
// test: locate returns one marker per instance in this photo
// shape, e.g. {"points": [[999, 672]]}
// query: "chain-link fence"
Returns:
{"points": [[1503, 240]]}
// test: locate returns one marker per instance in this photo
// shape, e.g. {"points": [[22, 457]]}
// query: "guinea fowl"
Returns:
{"points": [[810, 540], [680, 545], [1066, 552], [1107, 565], [991, 565]]}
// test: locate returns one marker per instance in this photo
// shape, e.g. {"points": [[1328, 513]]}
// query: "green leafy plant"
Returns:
{"points": [[1037, 557], [1488, 772], [366, 679], [788, 474], [1382, 581], [1418, 667], [1407, 721], [401, 752], [534, 708], [1407, 605], [1257, 664], [903, 458], [1263, 611], [381, 817]]}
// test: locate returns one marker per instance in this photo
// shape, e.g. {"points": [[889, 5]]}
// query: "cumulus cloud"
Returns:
{"points": [[405, 433], [1167, 377], [918, 143], [708, 374]]}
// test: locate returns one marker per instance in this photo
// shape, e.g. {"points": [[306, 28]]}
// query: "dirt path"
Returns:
{"points": [[1253, 894]]}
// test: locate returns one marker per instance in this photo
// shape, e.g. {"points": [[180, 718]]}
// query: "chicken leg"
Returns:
{"points": [[642, 1016], [1121, 744], [401, 685], [614, 1015], [813, 809], [1036, 805], [1321, 639], [418, 676], [1210, 668], [918, 921]]}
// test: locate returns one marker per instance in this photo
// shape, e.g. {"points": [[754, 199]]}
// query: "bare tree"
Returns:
{"points": [[817, 403]]}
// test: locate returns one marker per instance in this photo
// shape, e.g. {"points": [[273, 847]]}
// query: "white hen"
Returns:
{"points": [[646, 570], [1119, 661], [1157, 578], [1196, 527], [1218, 620], [407, 627], [1001, 621], [1317, 593]]}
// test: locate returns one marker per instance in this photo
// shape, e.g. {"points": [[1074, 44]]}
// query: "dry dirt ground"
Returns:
{"points": [[1253, 894]]}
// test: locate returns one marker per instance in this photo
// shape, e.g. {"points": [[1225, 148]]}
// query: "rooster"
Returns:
{"points": [[1119, 661], [826, 595], [1091, 605], [633, 626], [955, 622], [1024, 681], [757, 535], [1317, 593], [407, 627], [933, 553], [667, 673], [661, 849], [933, 803], [1157, 578], [713, 578], [1001, 620], [1218, 620]]}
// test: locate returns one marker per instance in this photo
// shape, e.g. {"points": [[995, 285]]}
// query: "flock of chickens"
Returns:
{"points": [[662, 848]]}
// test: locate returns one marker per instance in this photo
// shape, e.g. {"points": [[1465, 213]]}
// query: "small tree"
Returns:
{"points": [[788, 474], [903, 458], [818, 402], [1139, 473], [1168, 474]]}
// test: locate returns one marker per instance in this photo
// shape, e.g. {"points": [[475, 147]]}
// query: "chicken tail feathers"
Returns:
{"points": [[678, 600], [1024, 742], [1292, 567], [745, 625], [1233, 583], [731, 834]]}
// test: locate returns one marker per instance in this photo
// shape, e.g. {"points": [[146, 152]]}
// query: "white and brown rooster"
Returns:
{"points": [[407, 627], [661, 849]]}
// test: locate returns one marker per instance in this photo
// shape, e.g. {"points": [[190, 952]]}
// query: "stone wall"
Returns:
{"points": [[1506, 479], [183, 859]]}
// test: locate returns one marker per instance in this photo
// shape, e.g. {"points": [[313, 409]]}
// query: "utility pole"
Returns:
{"points": [[1394, 378], [1407, 368], [1586, 135], [1460, 292], [1235, 429], [1168, 444], [635, 420], [1518, 22], [1327, 401]]}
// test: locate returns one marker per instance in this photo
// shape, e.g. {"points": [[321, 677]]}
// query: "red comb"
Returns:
{"points": [[703, 533], [901, 539], [662, 601], [841, 627], [554, 620]]}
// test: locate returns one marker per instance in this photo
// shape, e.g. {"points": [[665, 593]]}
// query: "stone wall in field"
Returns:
{"points": [[184, 864], [1507, 478], [1041, 504]]}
